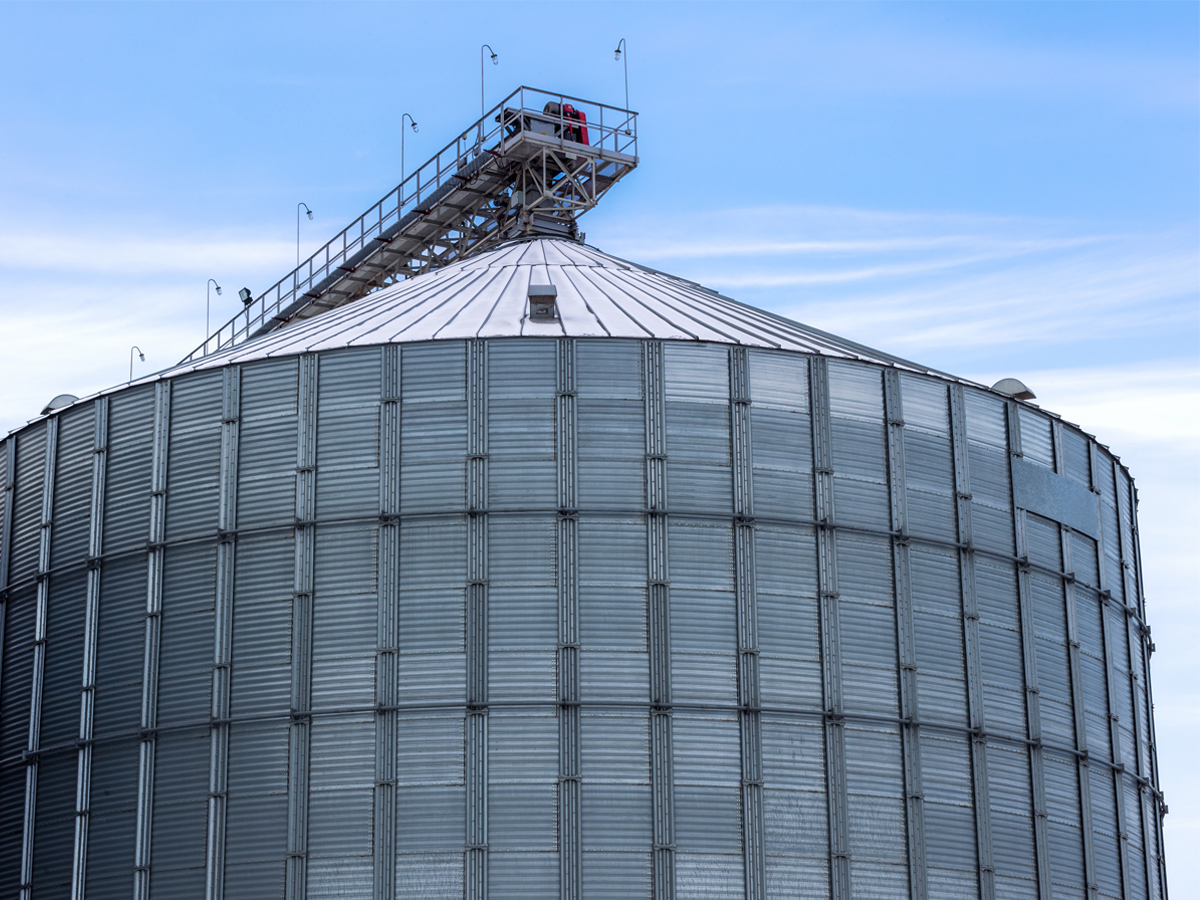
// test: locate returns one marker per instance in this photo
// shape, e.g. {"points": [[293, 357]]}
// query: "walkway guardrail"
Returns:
{"points": [[610, 130]]}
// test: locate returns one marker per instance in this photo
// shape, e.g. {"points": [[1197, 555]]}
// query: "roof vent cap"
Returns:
{"points": [[1013, 388], [543, 305], [58, 403]]}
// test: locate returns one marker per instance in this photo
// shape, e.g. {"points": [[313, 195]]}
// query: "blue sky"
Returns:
{"points": [[990, 189]]}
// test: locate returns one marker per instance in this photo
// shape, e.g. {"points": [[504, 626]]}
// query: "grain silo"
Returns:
{"points": [[543, 574]]}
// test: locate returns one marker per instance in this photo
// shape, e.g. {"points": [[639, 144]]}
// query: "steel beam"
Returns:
{"points": [[475, 862], [906, 641], [662, 764], [6, 535], [1076, 669], [300, 728], [91, 628], [1033, 717], [570, 839], [388, 625], [831, 653], [974, 666], [149, 717], [745, 587], [218, 780], [33, 743]]}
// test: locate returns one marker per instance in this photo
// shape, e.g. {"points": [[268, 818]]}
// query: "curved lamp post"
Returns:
{"points": [[208, 305], [141, 356], [482, 105], [309, 211], [413, 125], [622, 53]]}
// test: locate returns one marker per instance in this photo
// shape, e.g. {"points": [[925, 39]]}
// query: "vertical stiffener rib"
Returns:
{"points": [[910, 736], [475, 863], [154, 585], [223, 633], [970, 612], [39, 656], [749, 698], [831, 665], [662, 767], [87, 695], [388, 626], [300, 730], [1029, 651], [570, 839]]}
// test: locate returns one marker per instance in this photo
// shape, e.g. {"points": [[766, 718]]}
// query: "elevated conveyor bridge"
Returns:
{"points": [[531, 165]]}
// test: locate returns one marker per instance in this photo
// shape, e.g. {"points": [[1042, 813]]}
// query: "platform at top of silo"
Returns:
{"points": [[530, 165]]}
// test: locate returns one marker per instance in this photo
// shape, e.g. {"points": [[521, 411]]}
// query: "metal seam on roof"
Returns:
{"points": [[585, 276], [687, 302], [640, 301], [602, 275], [570, 277]]}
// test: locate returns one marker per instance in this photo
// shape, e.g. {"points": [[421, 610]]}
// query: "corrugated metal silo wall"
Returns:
{"points": [[594, 618]]}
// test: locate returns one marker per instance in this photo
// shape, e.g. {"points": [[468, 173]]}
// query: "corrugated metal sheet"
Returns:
{"points": [[15, 684], [1037, 443], [73, 485], [313, 704], [112, 825], [27, 504]]}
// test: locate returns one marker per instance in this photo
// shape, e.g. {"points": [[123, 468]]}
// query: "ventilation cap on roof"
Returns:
{"points": [[542, 303], [58, 403], [1014, 388]]}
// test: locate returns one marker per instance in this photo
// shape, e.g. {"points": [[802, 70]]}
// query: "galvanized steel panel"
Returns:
{"points": [[27, 504], [1036, 441], [826, 650], [73, 485]]}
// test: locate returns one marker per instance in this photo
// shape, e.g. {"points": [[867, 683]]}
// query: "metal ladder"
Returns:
{"points": [[525, 168]]}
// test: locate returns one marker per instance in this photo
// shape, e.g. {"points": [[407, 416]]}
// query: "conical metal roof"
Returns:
{"points": [[599, 295]]}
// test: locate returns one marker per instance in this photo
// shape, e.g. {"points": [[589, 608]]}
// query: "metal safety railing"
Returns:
{"points": [[609, 128]]}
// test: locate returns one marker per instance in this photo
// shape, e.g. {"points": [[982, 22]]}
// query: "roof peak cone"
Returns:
{"points": [[596, 295]]}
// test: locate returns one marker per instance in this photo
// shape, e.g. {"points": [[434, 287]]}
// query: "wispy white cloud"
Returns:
{"points": [[135, 255], [954, 59], [694, 250], [917, 283]]}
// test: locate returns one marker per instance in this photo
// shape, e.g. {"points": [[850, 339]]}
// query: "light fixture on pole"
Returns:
{"points": [[208, 305], [482, 104], [245, 296], [622, 53], [141, 356], [413, 123], [309, 211]]}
